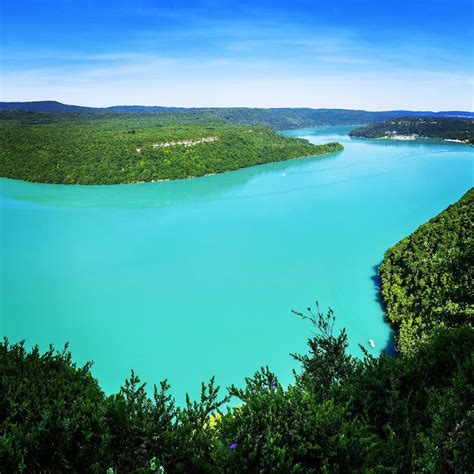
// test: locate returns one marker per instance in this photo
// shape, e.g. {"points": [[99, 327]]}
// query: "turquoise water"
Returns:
{"points": [[188, 279]]}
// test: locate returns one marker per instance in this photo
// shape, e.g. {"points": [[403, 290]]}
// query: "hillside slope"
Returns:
{"points": [[427, 277], [460, 129], [276, 118], [130, 148]]}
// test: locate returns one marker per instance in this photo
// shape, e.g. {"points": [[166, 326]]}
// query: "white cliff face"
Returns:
{"points": [[185, 142]]}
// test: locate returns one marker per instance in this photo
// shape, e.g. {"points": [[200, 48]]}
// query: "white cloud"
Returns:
{"points": [[268, 66], [422, 90]]}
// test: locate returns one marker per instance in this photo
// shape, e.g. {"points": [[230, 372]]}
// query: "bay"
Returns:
{"points": [[193, 278]]}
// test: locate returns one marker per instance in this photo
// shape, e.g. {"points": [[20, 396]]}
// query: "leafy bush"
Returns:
{"points": [[52, 413], [375, 414]]}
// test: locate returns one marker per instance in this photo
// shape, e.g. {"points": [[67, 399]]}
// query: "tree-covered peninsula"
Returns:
{"points": [[413, 413], [458, 129], [426, 278], [130, 148]]}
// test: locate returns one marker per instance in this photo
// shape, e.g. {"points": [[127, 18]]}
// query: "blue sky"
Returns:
{"points": [[375, 55]]}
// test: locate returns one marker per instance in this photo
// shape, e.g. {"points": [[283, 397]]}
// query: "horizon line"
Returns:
{"points": [[224, 107]]}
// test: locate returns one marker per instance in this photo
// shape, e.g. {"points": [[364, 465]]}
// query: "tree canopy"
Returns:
{"points": [[426, 278], [282, 118], [130, 148], [461, 129]]}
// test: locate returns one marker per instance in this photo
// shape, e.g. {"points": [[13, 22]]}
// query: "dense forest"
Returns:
{"points": [[461, 129], [413, 413], [427, 277], [128, 148], [276, 118]]}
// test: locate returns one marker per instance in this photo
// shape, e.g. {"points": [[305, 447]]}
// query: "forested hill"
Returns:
{"points": [[427, 277], [130, 148], [281, 119], [461, 129], [58, 107], [276, 118]]}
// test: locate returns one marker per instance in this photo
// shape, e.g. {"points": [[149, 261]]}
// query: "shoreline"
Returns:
{"points": [[413, 138], [177, 179]]}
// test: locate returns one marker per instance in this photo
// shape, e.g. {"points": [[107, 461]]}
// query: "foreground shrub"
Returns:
{"points": [[375, 414]]}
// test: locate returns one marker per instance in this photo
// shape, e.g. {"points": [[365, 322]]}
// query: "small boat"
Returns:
{"points": [[284, 174], [372, 343]]}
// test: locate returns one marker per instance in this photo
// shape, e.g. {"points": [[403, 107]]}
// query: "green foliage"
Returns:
{"points": [[448, 128], [143, 430], [276, 118], [303, 428], [290, 118], [378, 414], [327, 366], [54, 416], [427, 277], [118, 148], [52, 412]]}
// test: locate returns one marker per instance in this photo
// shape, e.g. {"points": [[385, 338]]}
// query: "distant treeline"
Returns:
{"points": [[119, 148], [446, 128], [427, 277], [276, 118]]}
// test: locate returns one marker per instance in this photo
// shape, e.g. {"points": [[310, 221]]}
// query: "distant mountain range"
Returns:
{"points": [[54, 106], [277, 118], [58, 107]]}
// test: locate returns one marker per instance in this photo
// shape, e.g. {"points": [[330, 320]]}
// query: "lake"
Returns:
{"points": [[187, 279]]}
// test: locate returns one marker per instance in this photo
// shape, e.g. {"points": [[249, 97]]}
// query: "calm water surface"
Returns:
{"points": [[188, 279]]}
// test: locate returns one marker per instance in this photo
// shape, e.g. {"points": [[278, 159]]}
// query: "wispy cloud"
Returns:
{"points": [[224, 53]]}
